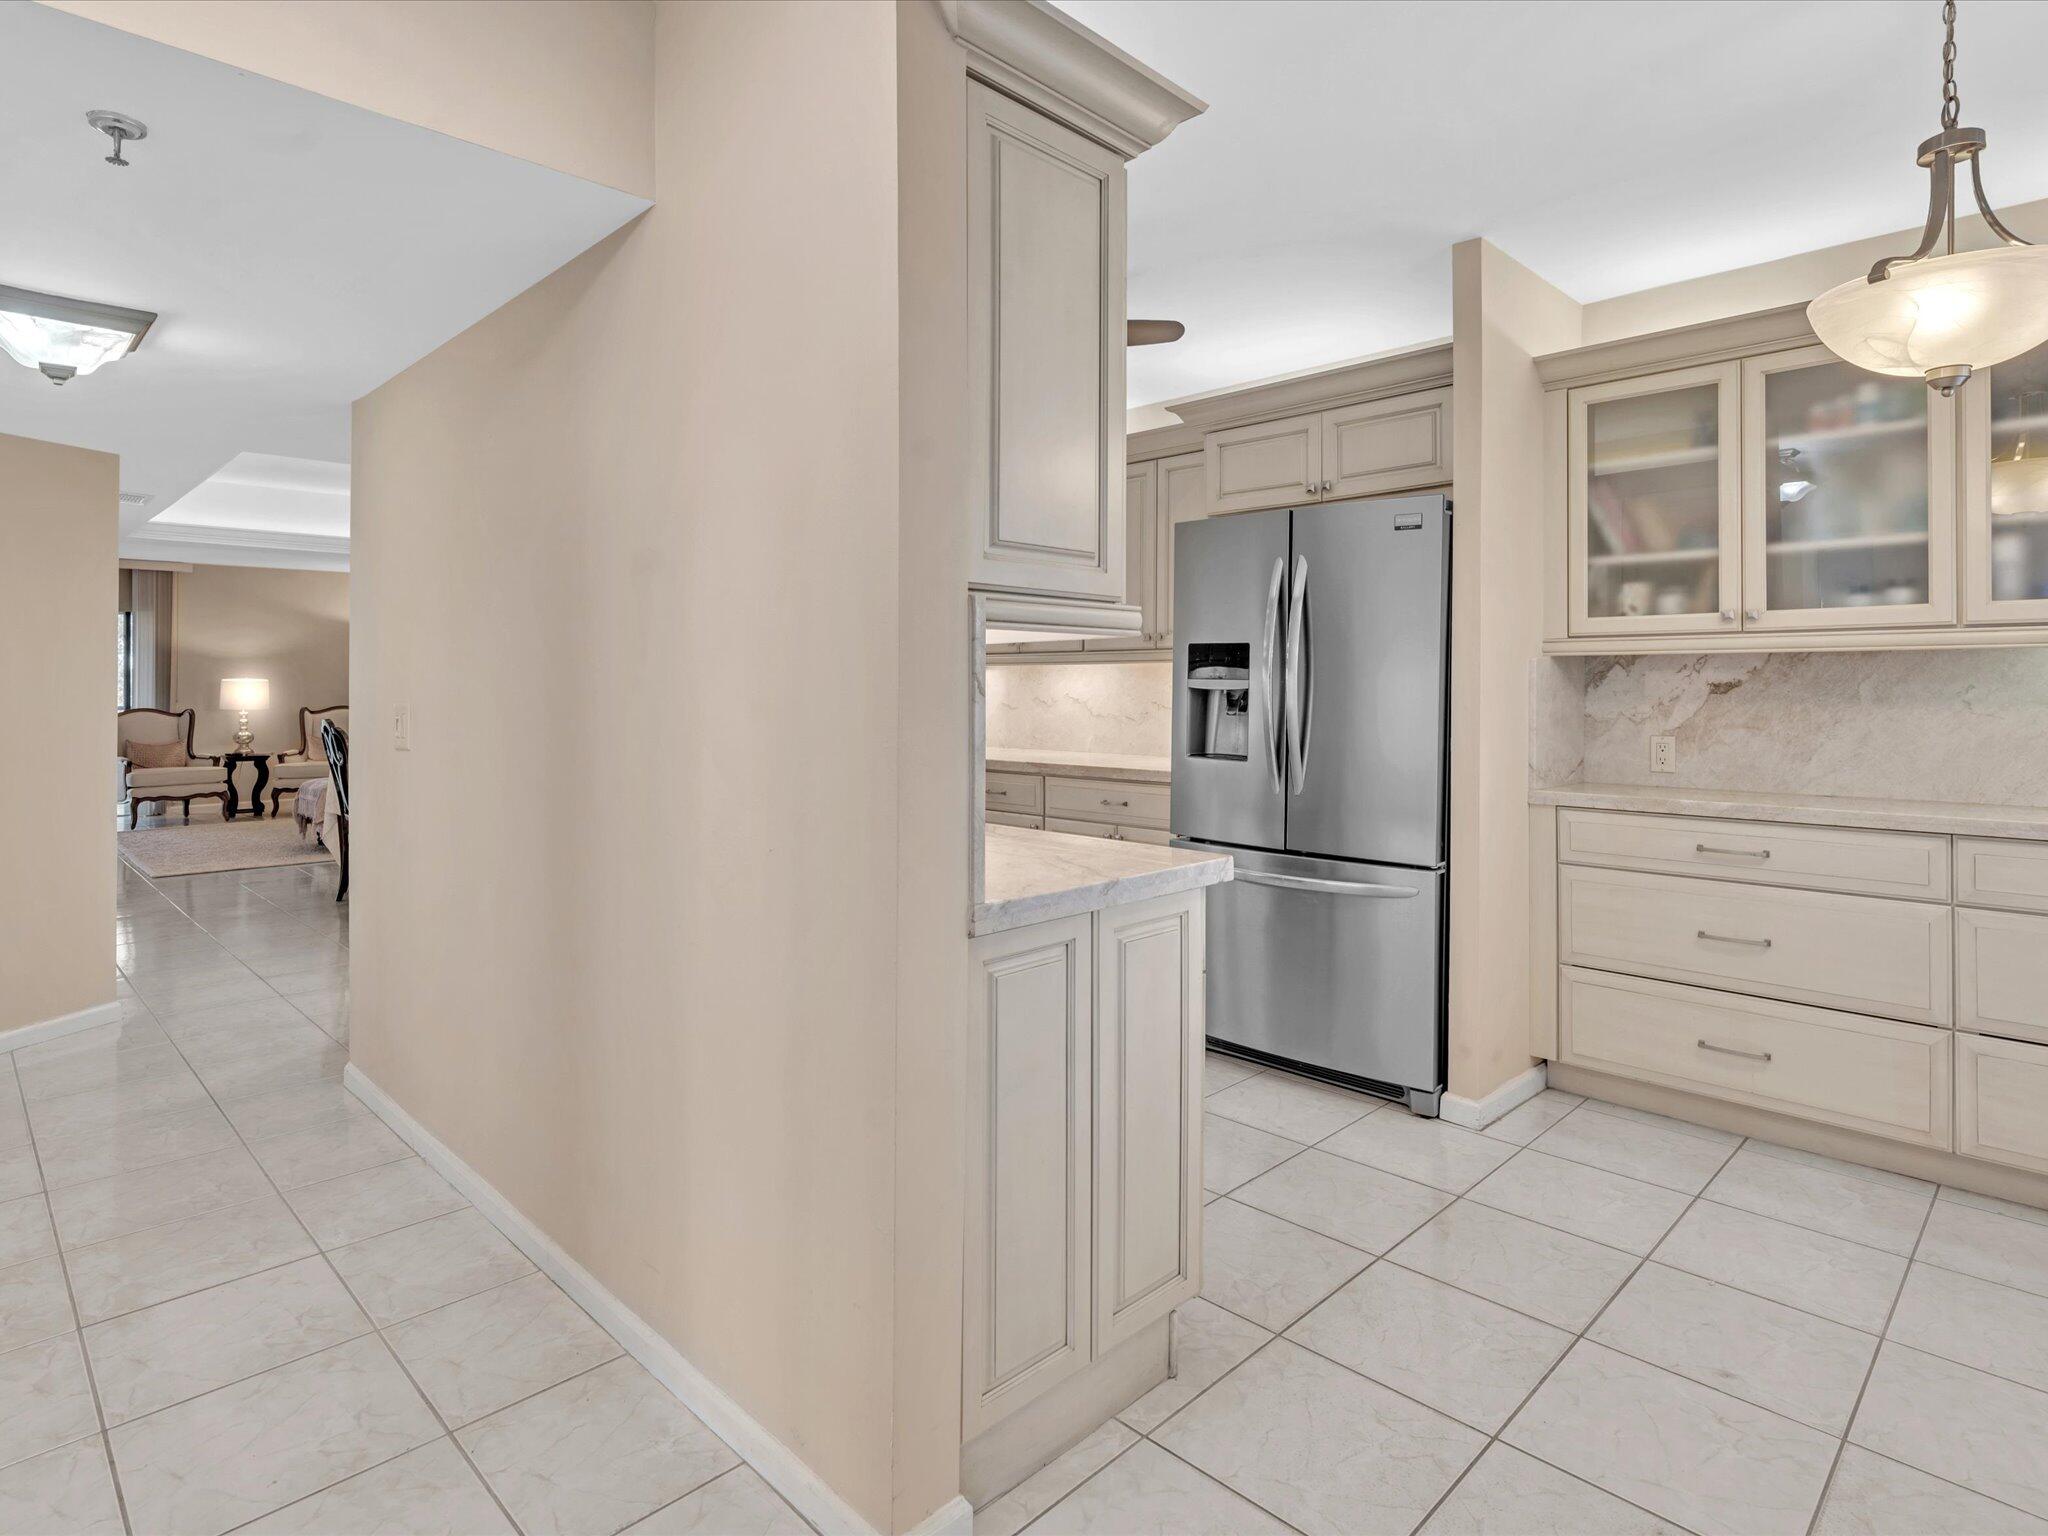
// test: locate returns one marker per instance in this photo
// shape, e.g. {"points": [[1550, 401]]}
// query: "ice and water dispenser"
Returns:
{"points": [[1219, 701]]}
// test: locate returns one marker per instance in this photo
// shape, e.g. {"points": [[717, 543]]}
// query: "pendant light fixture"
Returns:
{"points": [[1942, 317], [2020, 484]]}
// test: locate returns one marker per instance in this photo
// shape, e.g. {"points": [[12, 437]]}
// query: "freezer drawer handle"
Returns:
{"points": [[1328, 887], [1729, 1050], [1733, 853], [1723, 938]]}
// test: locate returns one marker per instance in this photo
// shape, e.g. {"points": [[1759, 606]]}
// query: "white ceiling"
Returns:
{"points": [[297, 250], [1306, 218], [256, 509]]}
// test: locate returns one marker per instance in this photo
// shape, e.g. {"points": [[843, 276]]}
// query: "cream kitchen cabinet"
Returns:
{"points": [[1141, 558], [2004, 437], [1083, 1144], [1363, 449], [1045, 239], [1183, 498], [1731, 486]]}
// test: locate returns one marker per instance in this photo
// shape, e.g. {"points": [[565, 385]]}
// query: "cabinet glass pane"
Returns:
{"points": [[1653, 504], [1845, 489], [2019, 478]]}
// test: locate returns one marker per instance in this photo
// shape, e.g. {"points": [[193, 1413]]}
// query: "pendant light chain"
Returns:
{"points": [[1951, 99]]}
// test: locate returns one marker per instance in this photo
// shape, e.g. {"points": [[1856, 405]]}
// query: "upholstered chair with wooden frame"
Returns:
{"points": [[308, 761], [145, 733]]}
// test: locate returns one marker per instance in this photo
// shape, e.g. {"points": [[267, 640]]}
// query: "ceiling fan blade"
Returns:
{"points": [[1147, 333]]}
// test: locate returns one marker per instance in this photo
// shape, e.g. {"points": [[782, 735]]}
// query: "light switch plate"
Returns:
{"points": [[1663, 754], [401, 728]]}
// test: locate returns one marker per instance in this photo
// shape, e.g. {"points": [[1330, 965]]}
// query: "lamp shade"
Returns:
{"points": [[245, 693], [1969, 310]]}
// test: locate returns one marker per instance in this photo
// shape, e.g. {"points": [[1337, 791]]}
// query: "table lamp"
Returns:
{"points": [[243, 694]]}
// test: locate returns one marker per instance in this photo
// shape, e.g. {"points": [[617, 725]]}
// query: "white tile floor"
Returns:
{"points": [[1585, 1320], [230, 1299]]}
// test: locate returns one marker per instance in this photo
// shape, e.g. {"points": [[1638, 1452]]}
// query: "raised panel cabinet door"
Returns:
{"points": [[1269, 464], [1183, 497], [1141, 557], [1653, 504], [2004, 431], [1848, 502], [2002, 1101], [1387, 445], [1025, 1322], [1045, 296], [1148, 1152]]}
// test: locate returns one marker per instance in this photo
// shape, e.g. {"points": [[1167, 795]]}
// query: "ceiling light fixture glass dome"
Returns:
{"points": [[1942, 317]]}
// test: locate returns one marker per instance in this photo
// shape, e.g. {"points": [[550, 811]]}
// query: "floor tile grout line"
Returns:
{"points": [[1578, 1337], [1870, 1370], [92, 1384], [1936, 1476], [380, 1329], [375, 1328]]}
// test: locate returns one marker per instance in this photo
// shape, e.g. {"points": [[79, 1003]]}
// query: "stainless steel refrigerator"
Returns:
{"points": [[1311, 739]]}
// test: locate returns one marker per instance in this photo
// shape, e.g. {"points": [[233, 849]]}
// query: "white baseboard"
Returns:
{"points": [[1477, 1114], [64, 1024], [953, 1519], [778, 1465]]}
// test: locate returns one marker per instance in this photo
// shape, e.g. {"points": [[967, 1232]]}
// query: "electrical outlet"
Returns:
{"points": [[401, 728], [1663, 754]]}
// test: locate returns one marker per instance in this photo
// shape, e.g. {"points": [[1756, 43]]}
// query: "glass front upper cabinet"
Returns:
{"points": [[1655, 503], [2005, 492], [1849, 502]]}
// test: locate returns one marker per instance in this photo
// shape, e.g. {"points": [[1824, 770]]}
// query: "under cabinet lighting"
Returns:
{"points": [[63, 338]]}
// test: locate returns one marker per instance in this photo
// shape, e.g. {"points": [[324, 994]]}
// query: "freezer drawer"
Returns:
{"points": [[1331, 964]]}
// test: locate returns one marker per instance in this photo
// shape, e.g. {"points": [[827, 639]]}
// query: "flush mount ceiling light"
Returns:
{"points": [[1940, 317], [66, 337]]}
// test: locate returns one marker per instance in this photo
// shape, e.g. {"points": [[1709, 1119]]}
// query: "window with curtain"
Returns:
{"points": [[124, 660]]}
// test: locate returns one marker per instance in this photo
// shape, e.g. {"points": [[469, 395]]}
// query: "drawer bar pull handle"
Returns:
{"points": [[1733, 853], [1729, 1050], [999, 794], [1722, 938], [1124, 804]]}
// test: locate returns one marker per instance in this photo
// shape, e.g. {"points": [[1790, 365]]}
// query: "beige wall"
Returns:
{"points": [[698, 1020], [568, 84], [1504, 316], [244, 621], [58, 516]]}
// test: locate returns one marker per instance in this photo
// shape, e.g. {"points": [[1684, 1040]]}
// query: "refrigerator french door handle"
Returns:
{"points": [[1324, 887], [1271, 655], [1300, 678]]}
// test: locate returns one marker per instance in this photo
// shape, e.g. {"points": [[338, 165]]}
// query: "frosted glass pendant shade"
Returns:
{"points": [[33, 340], [1969, 310]]}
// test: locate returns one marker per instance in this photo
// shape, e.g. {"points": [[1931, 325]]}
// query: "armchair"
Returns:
{"points": [[307, 761], [197, 778]]}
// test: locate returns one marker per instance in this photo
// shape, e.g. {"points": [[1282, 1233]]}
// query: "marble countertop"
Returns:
{"points": [[1812, 810], [1095, 765], [1033, 877]]}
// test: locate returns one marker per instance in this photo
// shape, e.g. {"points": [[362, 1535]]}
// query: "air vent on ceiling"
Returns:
{"points": [[136, 498]]}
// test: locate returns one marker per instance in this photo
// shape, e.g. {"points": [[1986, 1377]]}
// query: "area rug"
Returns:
{"points": [[204, 847]]}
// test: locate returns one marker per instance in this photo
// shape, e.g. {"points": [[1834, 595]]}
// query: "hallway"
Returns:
{"points": [[230, 1298]]}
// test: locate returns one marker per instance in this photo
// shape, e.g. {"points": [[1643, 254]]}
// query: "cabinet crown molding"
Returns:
{"points": [[1373, 378], [1710, 341], [1048, 60]]}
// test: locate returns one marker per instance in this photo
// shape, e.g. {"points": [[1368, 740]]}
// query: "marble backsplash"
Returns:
{"points": [[1083, 707], [1968, 726]]}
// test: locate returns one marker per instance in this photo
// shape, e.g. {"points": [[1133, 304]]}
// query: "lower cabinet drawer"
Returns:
{"points": [[1144, 805], [1867, 954], [1018, 792], [1866, 1074], [2002, 973], [2002, 1101], [2002, 872], [1913, 865], [1079, 828], [1012, 819]]}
